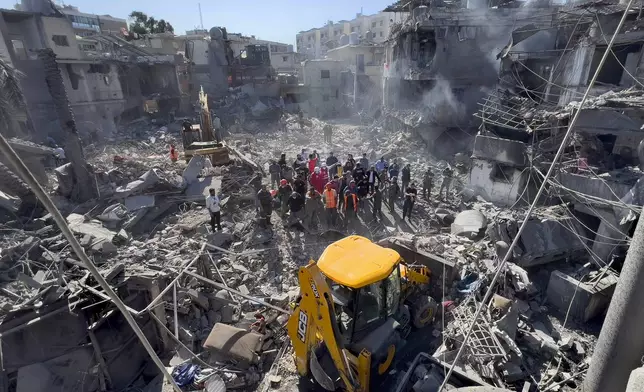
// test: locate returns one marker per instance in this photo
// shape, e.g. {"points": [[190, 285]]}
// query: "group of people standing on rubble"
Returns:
{"points": [[313, 189]]}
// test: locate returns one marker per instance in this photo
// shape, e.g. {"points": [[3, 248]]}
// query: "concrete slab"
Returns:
{"points": [[198, 190], [589, 300], [69, 372], [134, 203], [93, 228], [469, 223]]}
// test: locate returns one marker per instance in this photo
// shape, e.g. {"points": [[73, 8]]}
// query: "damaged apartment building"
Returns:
{"points": [[525, 118], [441, 61], [106, 79]]}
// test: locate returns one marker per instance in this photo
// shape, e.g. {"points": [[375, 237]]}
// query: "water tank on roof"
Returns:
{"points": [[216, 33], [344, 40], [419, 11], [354, 39]]}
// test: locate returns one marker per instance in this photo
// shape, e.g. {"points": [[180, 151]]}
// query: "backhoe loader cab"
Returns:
{"points": [[357, 304]]}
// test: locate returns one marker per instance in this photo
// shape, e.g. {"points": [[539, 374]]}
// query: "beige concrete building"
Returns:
{"points": [[323, 83], [315, 43], [89, 24]]}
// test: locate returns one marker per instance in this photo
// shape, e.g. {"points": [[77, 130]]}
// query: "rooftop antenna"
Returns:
{"points": [[200, 16]]}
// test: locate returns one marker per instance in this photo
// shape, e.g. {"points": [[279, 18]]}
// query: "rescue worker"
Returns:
{"points": [[317, 180], [358, 173], [343, 184], [394, 170], [372, 177], [448, 173], [287, 173], [284, 193], [276, 171], [392, 193], [330, 197], [410, 200], [324, 171], [265, 204], [296, 204], [299, 185], [377, 203], [174, 155], [212, 205], [282, 161], [312, 206], [331, 162], [406, 176], [328, 131], [351, 202], [381, 167], [350, 164], [428, 183], [313, 161], [364, 161]]}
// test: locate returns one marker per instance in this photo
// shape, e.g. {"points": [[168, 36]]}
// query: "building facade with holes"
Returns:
{"points": [[314, 43]]}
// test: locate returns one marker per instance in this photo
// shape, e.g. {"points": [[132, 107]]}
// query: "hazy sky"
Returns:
{"points": [[275, 20]]}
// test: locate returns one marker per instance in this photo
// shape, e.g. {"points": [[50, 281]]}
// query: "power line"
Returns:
{"points": [[517, 237]]}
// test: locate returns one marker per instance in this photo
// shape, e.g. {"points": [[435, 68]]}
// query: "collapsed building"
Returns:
{"points": [[441, 61]]}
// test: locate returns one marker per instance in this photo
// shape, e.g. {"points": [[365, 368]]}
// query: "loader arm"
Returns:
{"points": [[312, 322]]}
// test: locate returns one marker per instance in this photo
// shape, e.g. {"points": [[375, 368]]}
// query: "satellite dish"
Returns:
{"points": [[216, 33]]}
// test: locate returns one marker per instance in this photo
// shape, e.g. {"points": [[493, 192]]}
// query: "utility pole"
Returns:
{"points": [[620, 346]]}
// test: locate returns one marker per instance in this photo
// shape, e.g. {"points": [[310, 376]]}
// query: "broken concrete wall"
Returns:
{"points": [[497, 183], [42, 349], [543, 240], [506, 151]]}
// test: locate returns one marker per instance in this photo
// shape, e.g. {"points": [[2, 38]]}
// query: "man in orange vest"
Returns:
{"points": [[174, 155], [351, 202], [330, 204]]}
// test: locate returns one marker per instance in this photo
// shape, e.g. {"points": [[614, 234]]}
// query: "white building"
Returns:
{"points": [[375, 28], [323, 82]]}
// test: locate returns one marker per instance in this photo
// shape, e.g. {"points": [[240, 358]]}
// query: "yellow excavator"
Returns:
{"points": [[203, 138], [357, 304]]}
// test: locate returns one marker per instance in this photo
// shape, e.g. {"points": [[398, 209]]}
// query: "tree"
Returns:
{"points": [[84, 184], [144, 24]]}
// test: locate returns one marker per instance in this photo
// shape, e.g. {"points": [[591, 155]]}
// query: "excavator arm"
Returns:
{"points": [[313, 322]]}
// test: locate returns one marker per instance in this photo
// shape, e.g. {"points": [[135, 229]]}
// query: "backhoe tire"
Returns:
{"points": [[422, 309]]}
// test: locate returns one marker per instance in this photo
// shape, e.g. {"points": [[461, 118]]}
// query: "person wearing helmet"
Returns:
{"points": [[284, 193]]}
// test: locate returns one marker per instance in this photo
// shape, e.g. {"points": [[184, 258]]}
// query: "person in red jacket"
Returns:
{"points": [[325, 173], [317, 180], [313, 162]]}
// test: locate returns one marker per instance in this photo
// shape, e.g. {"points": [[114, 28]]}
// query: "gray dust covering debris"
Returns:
{"points": [[196, 189]]}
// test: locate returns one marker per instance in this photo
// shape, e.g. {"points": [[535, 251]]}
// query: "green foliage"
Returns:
{"points": [[144, 24]]}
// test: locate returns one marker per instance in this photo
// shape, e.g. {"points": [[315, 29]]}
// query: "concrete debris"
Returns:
{"points": [[476, 162]]}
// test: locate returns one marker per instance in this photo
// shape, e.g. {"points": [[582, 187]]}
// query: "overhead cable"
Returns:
{"points": [[551, 170]]}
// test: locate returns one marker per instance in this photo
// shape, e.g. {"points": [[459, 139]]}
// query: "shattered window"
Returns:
{"points": [[60, 40], [382, 22], [392, 292], [325, 98], [373, 24], [370, 305], [325, 74]]}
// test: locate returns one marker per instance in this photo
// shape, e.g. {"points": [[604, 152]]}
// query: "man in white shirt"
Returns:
{"points": [[212, 204]]}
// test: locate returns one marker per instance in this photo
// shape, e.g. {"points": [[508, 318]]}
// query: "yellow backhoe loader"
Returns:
{"points": [[357, 304]]}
